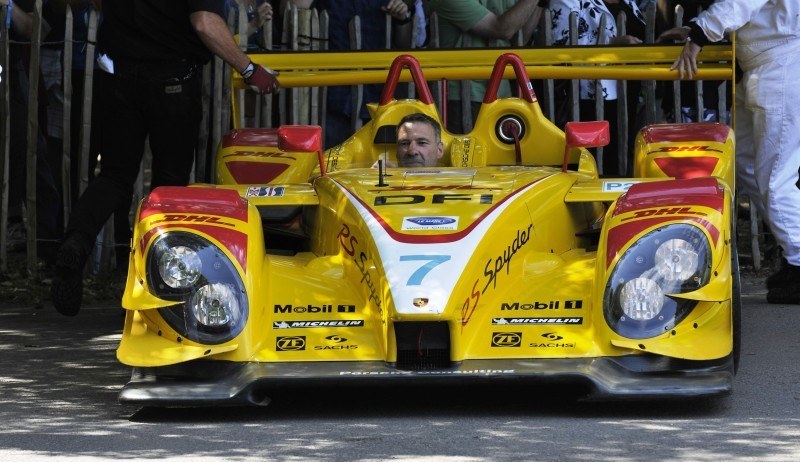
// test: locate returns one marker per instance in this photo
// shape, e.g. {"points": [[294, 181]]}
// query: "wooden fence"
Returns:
{"points": [[303, 30]]}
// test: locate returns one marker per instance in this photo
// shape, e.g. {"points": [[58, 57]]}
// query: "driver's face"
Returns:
{"points": [[417, 146]]}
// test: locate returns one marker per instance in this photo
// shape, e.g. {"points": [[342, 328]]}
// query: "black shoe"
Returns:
{"points": [[787, 276], [785, 295], [67, 288]]}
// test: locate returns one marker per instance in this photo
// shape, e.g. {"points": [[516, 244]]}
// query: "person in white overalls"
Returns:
{"points": [[767, 118]]}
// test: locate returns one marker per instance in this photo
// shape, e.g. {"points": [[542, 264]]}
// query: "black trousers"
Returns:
{"points": [[159, 100]]}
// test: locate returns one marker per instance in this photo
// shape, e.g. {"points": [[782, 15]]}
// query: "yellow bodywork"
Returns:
{"points": [[530, 241]]}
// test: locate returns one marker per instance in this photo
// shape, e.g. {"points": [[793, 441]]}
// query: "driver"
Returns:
{"points": [[419, 142]]}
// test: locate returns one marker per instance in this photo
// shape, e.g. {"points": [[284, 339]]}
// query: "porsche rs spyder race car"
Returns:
{"points": [[512, 260]]}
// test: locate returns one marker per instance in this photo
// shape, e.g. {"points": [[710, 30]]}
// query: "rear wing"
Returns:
{"points": [[318, 69]]}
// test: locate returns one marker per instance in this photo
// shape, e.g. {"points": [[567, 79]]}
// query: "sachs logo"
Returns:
{"points": [[431, 221], [420, 302]]}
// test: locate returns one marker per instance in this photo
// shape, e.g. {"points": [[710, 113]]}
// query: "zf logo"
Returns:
{"points": [[290, 343], [506, 339]]}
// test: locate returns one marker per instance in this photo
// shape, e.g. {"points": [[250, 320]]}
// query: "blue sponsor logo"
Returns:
{"points": [[431, 221]]}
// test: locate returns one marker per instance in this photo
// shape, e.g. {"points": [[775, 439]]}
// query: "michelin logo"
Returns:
{"points": [[510, 321], [311, 324]]}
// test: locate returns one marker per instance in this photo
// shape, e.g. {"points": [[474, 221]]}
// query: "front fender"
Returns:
{"points": [[706, 332], [221, 217]]}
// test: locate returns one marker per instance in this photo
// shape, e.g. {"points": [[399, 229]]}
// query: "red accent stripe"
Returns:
{"points": [[234, 241], [687, 167], [255, 172], [204, 201], [694, 191], [267, 137], [678, 133], [620, 235], [436, 238]]}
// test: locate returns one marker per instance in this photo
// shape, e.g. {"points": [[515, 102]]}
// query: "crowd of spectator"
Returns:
{"points": [[147, 83]]}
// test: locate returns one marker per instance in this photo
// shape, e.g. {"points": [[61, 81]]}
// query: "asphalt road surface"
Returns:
{"points": [[59, 381]]}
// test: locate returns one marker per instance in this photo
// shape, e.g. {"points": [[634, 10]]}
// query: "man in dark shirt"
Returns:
{"points": [[155, 50]]}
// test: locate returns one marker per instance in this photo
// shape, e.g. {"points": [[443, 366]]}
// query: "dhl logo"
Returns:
{"points": [[205, 219], [684, 149], [270, 154], [664, 211]]}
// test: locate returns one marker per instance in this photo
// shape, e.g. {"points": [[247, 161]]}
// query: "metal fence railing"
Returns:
{"points": [[303, 29]]}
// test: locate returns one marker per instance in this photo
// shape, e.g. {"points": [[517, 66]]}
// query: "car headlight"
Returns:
{"points": [[179, 267], [672, 259], [189, 269]]}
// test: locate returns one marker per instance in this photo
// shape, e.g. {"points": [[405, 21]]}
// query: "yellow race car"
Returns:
{"points": [[510, 261]]}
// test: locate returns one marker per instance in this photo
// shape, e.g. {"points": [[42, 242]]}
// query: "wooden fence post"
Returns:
{"points": [[66, 161], [5, 133], [33, 139], [356, 91]]}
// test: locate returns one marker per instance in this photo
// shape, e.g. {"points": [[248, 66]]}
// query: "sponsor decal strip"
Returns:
{"points": [[560, 320], [313, 324], [438, 238]]}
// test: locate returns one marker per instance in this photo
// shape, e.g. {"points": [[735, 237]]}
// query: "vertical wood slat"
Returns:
{"points": [[86, 104], [699, 103], [324, 21], [33, 131], [288, 14], [304, 44], [243, 38], [438, 98], [295, 45], [599, 95], [676, 84], [756, 252], [267, 99], [356, 91], [574, 87], [66, 121], [315, 46], [549, 84], [622, 110], [650, 85], [414, 35], [202, 149], [5, 145], [466, 92], [216, 125]]}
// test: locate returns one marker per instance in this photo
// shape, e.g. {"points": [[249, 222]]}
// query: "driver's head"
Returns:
{"points": [[419, 141]]}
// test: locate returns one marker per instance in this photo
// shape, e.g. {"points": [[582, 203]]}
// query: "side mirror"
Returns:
{"points": [[300, 138], [585, 135]]}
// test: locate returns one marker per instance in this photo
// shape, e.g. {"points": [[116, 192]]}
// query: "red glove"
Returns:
{"points": [[260, 79]]}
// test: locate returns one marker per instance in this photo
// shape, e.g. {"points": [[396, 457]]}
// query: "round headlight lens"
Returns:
{"points": [[676, 260], [179, 267], [643, 292], [215, 305], [641, 299]]}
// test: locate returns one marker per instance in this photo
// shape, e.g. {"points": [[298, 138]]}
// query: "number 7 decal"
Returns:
{"points": [[432, 262]]}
